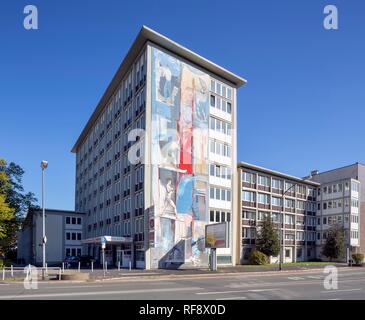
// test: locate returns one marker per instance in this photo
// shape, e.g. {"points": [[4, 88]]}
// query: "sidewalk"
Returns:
{"points": [[125, 273]]}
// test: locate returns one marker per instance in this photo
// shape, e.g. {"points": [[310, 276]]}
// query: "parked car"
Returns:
{"points": [[71, 262], [86, 261]]}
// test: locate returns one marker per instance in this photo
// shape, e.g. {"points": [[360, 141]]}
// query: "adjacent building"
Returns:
{"points": [[156, 160], [289, 201], [63, 232], [341, 201]]}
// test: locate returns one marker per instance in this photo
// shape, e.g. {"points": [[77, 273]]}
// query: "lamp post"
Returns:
{"points": [[44, 165], [282, 242]]}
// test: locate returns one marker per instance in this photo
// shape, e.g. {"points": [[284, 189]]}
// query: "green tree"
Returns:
{"points": [[14, 203], [267, 240], [334, 247]]}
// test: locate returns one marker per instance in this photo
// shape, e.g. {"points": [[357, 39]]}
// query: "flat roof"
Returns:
{"points": [[147, 34], [276, 173], [58, 211], [339, 168]]}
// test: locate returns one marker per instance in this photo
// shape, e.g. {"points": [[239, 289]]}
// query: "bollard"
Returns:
{"points": [[118, 265], [92, 266], [59, 274], [3, 273], [63, 267], [106, 266], [79, 266], [12, 271], [46, 268], [130, 265]]}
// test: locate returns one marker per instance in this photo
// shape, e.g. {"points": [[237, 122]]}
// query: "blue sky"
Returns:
{"points": [[303, 107]]}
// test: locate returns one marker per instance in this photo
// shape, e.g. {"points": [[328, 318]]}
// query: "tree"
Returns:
{"points": [[267, 240], [334, 247], [14, 203]]}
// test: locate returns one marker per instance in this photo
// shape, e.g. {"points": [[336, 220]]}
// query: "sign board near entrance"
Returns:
{"points": [[217, 235]]}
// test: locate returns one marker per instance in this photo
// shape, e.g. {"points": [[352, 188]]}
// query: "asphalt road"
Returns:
{"points": [[307, 284]]}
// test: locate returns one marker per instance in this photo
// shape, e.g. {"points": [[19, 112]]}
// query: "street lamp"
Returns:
{"points": [[282, 242], [44, 165]]}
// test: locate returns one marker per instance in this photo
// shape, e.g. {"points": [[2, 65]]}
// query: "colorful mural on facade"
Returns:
{"points": [[179, 154]]}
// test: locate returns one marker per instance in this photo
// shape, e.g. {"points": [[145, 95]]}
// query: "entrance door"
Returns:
{"points": [[126, 258]]}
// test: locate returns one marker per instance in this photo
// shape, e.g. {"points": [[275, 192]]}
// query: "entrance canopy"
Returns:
{"points": [[108, 240]]}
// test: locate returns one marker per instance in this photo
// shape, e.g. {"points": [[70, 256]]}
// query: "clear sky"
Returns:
{"points": [[303, 107]]}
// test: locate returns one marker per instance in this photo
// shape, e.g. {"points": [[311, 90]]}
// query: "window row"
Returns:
{"points": [[221, 89], [219, 216], [220, 171], [220, 126], [73, 236], [220, 194], [220, 104], [73, 220], [220, 148]]}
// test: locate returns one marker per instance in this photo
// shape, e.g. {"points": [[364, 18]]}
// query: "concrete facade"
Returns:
{"points": [[157, 210], [63, 232], [288, 200], [352, 195]]}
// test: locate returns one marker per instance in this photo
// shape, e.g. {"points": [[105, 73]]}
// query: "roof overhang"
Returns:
{"points": [[147, 34], [108, 240], [276, 173]]}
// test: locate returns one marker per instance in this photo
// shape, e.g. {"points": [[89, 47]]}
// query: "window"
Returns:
{"points": [[248, 215], [263, 181], [324, 220], [355, 186], [262, 215], [276, 217], [287, 253], [248, 177], [277, 184], [347, 186], [68, 236], [354, 203], [263, 198], [248, 233], [73, 220], [289, 203], [68, 220], [300, 205], [79, 236], [68, 252], [248, 196], [276, 201], [300, 236], [78, 220], [289, 219], [289, 187]]}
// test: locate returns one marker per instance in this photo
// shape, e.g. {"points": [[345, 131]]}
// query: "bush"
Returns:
{"points": [[4, 263], [258, 258], [358, 258]]}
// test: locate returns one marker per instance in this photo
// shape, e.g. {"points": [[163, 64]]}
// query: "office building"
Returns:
{"points": [[63, 232], [341, 201], [155, 161], [264, 192]]}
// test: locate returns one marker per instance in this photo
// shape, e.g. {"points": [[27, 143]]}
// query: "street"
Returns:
{"points": [[306, 284]]}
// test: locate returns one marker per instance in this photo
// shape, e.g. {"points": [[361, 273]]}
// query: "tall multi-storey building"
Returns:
{"points": [[341, 201], [288, 200], [155, 161]]}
